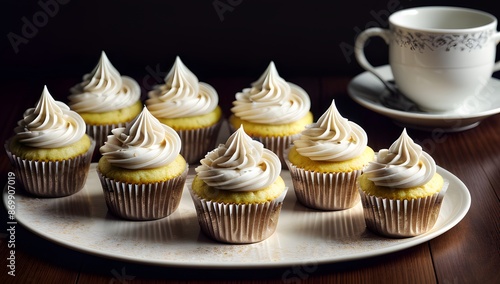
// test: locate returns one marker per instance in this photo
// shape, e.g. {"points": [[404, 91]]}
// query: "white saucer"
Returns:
{"points": [[365, 89]]}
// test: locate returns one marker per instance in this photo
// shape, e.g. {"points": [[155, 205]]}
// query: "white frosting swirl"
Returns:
{"points": [[51, 124], [104, 89], [182, 95], [403, 165], [242, 164], [271, 100], [332, 138], [145, 143]]}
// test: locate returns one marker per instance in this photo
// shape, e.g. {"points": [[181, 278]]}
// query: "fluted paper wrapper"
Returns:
{"points": [[325, 191], [238, 223], [52, 178], [276, 144], [401, 218], [143, 202], [100, 134], [197, 143]]}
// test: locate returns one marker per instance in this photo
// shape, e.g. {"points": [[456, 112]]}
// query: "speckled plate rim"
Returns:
{"points": [[294, 243]]}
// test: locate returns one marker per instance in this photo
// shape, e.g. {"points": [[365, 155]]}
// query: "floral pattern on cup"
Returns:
{"points": [[461, 42]]}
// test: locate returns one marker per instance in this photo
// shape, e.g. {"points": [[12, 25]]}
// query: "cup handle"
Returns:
{"points": [[496, 38], [360, 44]]}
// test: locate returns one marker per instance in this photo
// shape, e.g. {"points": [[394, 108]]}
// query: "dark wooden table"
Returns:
{"points": [[467, 253]]}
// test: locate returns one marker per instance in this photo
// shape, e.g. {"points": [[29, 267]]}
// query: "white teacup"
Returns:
{"points": [[439, 56]]}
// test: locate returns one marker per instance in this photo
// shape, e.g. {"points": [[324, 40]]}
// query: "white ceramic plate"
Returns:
{"points": [[303, 236], [365, 89]]}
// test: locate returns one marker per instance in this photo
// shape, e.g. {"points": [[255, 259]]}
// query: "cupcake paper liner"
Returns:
{"points": [[197, 142], [142, 202], [401, 218], [52, 178], [325, 191], [278, 145], [238, 223], [100, 134]]}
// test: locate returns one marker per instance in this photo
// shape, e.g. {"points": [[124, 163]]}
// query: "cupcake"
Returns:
{"points": [[190, 107], [50, 152], [401, 191], [325, 161], [141, 171], [105, 100], [273, 111], [238, 192]]}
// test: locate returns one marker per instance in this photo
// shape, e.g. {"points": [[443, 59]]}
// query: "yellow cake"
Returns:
{"points": [[430, 188], [401, 191], [142, 176], [190, 107], [238, 191], [50, 154], [356, 163], [261, 195], [194, 122], [118, 116], [271, 130], [50, 141]]}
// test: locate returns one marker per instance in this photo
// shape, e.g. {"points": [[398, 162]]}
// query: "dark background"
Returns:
{"points": [[55, 42], [304, 38]]}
